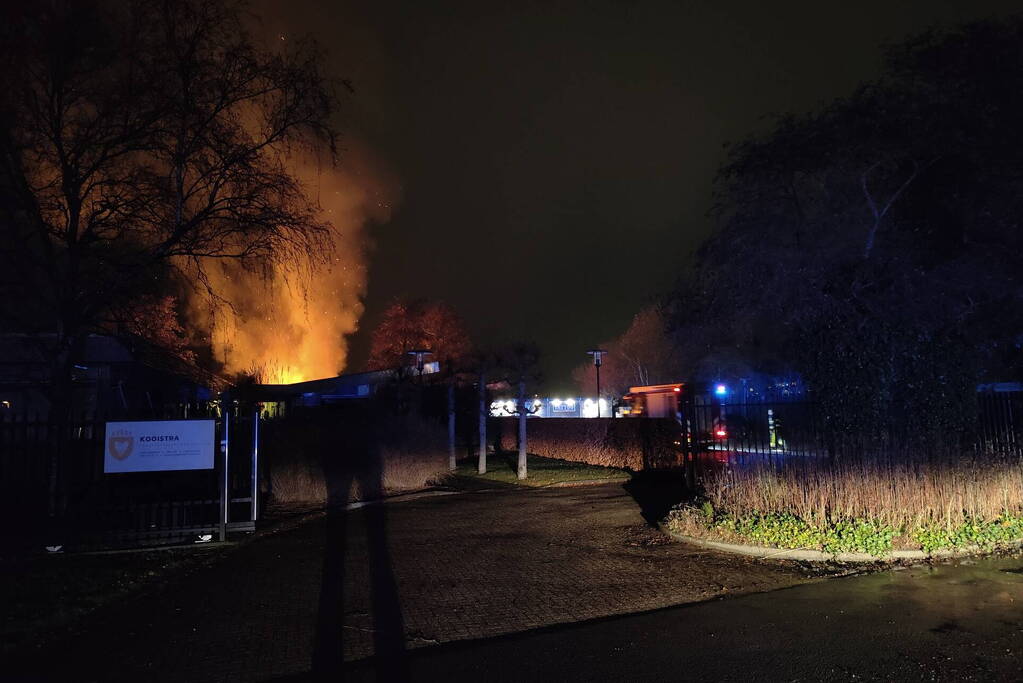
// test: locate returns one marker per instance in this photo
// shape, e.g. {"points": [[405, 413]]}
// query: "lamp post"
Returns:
{"points": [[419, 354], [598, 355]]}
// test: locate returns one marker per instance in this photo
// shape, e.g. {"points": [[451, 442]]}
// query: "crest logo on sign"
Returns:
{"points": [[120, 444]]}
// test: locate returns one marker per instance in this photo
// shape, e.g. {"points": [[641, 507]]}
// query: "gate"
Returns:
{"points": [[54, 492], [721, 433]]}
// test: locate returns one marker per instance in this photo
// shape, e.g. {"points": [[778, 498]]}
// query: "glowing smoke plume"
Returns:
{"points": [[288, 322]]}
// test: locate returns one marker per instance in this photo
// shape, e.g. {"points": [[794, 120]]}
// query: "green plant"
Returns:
{"points": [[978, 533], [785, 530]]}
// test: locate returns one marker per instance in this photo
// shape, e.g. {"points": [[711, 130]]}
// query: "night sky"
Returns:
{"points": [[556, 159]]}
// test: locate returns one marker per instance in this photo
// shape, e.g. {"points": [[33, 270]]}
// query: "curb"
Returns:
{"points": [[581, 482], [820, 556], [400, 498], [299, 518]]}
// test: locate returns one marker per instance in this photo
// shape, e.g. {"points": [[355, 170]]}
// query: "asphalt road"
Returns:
{"points": [[949, 623]]}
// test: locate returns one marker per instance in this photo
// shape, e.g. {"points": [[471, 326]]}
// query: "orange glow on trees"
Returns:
{"points": [[420, 324], [151, 142]]}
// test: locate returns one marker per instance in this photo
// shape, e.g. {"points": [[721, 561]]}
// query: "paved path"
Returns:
{"points": [[941, 623], [389, 579]]}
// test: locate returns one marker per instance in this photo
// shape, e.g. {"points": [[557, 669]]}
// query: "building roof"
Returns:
{"points": [[353, 385], [22, 356]]}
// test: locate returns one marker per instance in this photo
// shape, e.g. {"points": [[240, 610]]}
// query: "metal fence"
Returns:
{"points": [[718, 432], [53, 490], [999, 423]]}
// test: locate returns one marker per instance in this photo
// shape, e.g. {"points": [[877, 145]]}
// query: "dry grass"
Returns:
{"points": [[408, 453], [414, 454], [591, 451], [948, 493], [298, 481]]}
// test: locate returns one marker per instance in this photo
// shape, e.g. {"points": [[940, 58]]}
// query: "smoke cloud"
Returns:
{"points": [[289, 322]]}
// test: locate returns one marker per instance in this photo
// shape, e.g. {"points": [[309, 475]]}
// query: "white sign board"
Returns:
{"points": [[158, 446]]}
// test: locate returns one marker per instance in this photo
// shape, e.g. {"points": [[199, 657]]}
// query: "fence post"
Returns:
{"points": [[225, 485], [689, 439], [255, 464]]}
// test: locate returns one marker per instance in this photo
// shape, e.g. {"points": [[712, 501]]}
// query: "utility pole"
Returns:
{"points": [[419, 355], [482, 466], [597, 358], [451, 425]]}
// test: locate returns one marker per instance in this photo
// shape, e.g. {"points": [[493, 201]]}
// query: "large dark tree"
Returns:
{"points": [[875, 245], [139, 141]]}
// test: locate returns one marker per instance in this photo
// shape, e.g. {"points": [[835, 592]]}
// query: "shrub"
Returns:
{"points": [[298, 481], [365, 458], [630, 444], [943, 493], [863, 505]]}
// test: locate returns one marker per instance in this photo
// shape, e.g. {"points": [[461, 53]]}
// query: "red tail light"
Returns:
{"points": [[720, 433]]}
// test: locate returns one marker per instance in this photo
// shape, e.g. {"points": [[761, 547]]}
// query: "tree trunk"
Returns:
{"points": [[451, 426], [522, 473], [482, 469]]}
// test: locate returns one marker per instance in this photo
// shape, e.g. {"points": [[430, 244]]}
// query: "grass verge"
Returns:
{"points": [[503, 468]]}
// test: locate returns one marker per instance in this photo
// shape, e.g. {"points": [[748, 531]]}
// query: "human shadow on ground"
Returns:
{"points": [[657, 491], [357, 460]]}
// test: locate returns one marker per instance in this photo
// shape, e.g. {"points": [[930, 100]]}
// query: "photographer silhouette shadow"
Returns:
{"points": [[357, 461]]}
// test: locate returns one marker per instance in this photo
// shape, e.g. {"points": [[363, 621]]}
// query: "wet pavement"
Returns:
{"points": [[947, 623]]}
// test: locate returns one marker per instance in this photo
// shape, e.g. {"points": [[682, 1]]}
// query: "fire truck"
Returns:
{"points": [[708, 423], [656, 400]]}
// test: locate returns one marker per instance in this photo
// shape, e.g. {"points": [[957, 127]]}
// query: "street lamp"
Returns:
{"points": [[598, 355], [419, 355]]}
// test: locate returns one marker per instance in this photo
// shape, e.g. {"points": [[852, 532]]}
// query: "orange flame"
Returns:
{"points": [[290, 324]]}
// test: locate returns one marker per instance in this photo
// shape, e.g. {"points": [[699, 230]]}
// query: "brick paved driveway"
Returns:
{"points": [[405, 575]]}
